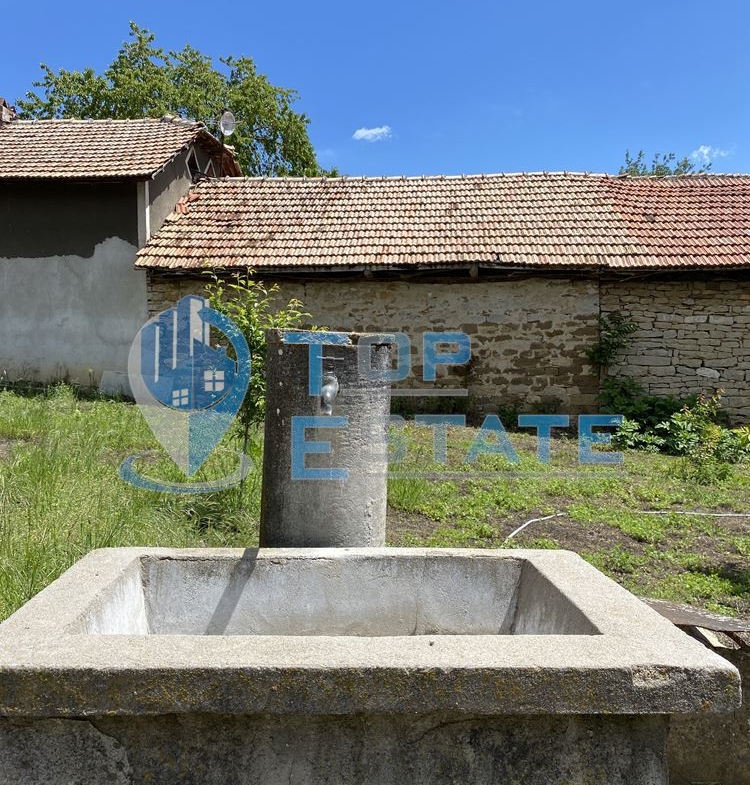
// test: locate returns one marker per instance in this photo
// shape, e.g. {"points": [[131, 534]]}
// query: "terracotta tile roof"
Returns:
{"points": [[550, 220], [92, 149]]}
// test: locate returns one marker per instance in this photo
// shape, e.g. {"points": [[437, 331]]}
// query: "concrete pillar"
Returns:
{"points": [[325, 479]]}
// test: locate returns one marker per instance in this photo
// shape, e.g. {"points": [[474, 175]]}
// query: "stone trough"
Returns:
{"points": [[367, 665], [341, 665]]}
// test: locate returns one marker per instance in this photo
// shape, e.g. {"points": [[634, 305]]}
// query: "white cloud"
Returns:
{"points": [[705, 154], [372, 134]]}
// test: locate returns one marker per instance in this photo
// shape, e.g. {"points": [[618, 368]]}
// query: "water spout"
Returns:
{"points": [[328, 393]]}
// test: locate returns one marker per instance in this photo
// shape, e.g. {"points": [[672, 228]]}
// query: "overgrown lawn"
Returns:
{"points": [[61, 496], [602, 512]]}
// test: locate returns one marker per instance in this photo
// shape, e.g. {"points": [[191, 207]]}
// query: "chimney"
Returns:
{"points": [[7, 112]]}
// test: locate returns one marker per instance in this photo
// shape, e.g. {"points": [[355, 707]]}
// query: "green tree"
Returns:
{"points": [[662, 165], [145, 81]]}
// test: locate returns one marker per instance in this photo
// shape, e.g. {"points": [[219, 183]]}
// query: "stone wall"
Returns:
{"points": [[528, 336], [692, 335]]}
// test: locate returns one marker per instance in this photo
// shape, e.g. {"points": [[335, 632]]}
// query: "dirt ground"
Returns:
{"points": [[641, 566]]}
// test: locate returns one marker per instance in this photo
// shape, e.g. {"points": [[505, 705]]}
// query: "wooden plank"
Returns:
{"points": [[685, 616]]}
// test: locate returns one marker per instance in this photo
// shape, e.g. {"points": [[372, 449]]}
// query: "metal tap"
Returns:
{"points": [[328, 393]]}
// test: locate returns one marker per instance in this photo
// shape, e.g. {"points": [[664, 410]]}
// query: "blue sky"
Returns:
{"points": [[449, 88]]}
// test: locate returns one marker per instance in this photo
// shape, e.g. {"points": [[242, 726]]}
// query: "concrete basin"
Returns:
{"points": [[310, 648], [330, 593]]}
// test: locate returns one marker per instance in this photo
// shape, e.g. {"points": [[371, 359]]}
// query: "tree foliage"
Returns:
{"points": [[145, 81], [662, 165]]}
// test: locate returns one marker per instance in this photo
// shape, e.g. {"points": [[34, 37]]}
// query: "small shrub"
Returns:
{"points": [[732, 446], [693, 430], [623, 395], [508, 413], [708, 448], [254, 308], [630, 436], [614, 330], [690, 428]]}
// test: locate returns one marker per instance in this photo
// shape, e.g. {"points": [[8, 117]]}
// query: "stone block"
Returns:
{"points": [[649, 361], [435, 749]]}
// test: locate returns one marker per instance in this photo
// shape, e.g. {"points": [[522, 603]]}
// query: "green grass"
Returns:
{"points": [[61, 496], [688, 558]]}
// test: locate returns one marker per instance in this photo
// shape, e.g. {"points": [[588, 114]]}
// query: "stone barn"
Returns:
{"points": [[525, 264]]}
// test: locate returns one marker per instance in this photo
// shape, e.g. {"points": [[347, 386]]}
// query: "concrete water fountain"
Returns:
{"points": [[343, 665]]}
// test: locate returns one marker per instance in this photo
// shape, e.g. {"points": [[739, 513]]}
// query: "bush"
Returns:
{"points": [[254, 308], [629, 436], [708, 448], [692, 429], [623, 395], [614, 330]]}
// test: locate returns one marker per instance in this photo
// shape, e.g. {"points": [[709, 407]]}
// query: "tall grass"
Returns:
{"points": [[61, 496]]}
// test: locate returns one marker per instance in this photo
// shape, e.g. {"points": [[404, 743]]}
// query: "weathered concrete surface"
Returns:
{"points": [[71, 301], [298, 510], [714, 747], [52, 217], [70, 317], [415, 665], [171, 183], [61, 752], [579, 643], [441, 749], [326, 597]]}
